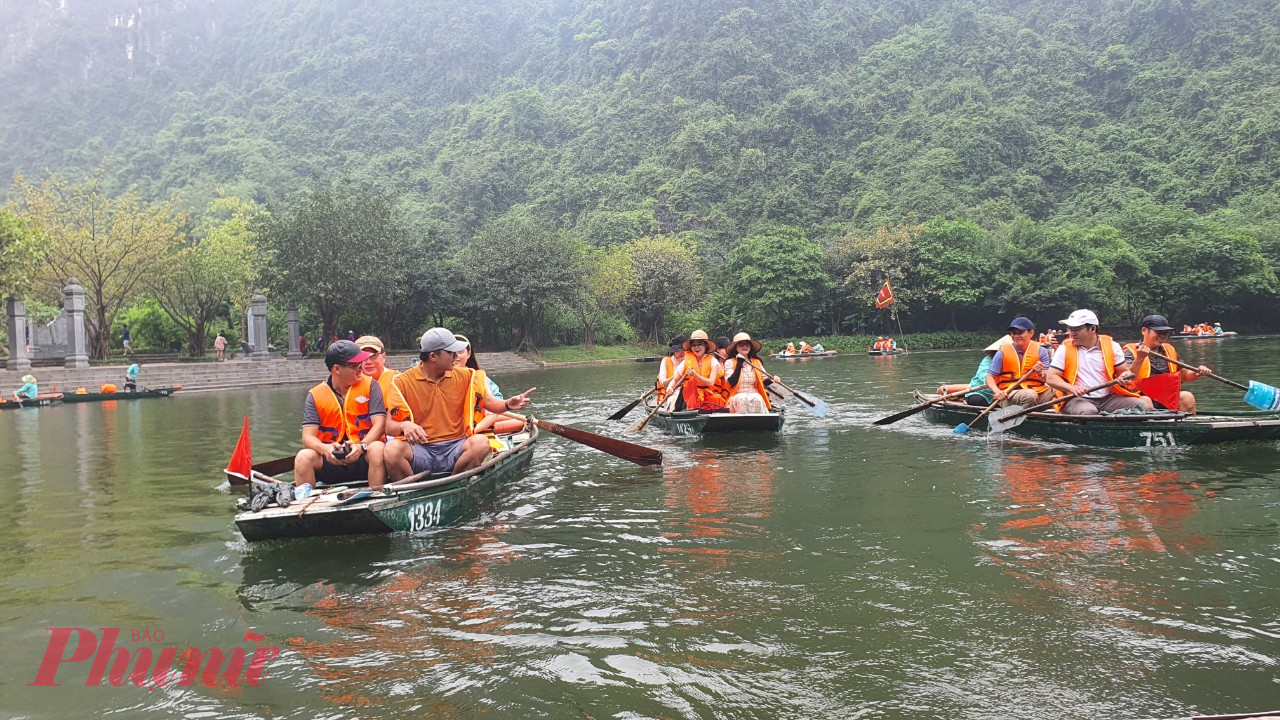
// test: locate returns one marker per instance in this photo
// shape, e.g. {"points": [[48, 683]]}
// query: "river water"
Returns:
{"points": [[838, 570]]}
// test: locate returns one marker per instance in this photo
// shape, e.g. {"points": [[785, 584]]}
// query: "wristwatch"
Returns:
{"points": [[363, 446]]}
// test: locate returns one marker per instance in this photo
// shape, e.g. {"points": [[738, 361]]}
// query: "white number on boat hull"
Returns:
{"points": [[1157, 438], [426, 515]]}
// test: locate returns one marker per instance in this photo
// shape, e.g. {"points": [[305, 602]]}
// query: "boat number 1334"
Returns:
{"points": [[1157, 438], [426, 515]]}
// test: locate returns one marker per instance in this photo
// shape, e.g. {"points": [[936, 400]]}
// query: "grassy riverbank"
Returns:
{"points": [[843, 343]]}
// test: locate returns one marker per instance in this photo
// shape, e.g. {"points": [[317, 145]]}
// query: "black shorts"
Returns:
{"points": [[330, 474]]}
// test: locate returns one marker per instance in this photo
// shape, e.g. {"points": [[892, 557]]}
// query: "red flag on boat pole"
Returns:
{"points": [[884, 298], [241, 463], [1163, 388]]}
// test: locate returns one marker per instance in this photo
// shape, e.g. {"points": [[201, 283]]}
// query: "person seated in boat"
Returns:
{"points": [[488, 423], [891, 343], [342, 421], [443, 398], [790, 350], [671, 367], [1217, 329], [1186, 329], [805, 347], [702, 373], [878, 344], [746, 377], [722, 348], [982, 395], [375, 366], [1085, 360], [1155, 336], [1017, 355], [29, 390], [817, 347]]}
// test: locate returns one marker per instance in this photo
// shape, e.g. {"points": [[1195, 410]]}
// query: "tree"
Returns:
{"points": [[332, 248], [607, 280], [778, 279], [862, 261], [113, 245], [22, 247], [957, 268], [666, 278], [217, 265]]}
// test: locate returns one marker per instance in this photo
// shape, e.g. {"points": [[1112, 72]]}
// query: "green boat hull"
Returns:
{"points": [[689, 422], [41, 400], [122, 395], [421, 506], [1121, 431]]}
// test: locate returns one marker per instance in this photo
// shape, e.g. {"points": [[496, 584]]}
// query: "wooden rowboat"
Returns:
{"points": [[1193, 336], [692, 422], [413, 507], [899, 351], [122, 395], [1159, 429], [40, 400], [799, 356]]}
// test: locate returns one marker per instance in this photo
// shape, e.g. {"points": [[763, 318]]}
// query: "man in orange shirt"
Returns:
{"points": [[442, 399]]}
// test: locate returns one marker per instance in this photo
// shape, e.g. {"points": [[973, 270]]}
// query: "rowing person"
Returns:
{"points": [[1085, 360], [29, 390], [1155, 336], [702, 373], [443, 398], [805, 347], [1019, 354], [746, 377], [375, 366], [342, 421], [671, 366]]}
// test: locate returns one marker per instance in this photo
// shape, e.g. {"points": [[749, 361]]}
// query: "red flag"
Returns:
{"points": [[1163, 388], [241, 463], [884, 298]]}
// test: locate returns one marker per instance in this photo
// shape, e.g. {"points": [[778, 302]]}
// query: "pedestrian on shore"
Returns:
{"points": [[302, 344], [220, 344], [127, 340]]}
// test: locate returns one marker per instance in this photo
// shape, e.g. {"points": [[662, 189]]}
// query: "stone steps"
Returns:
{"points": [[229, 374]]}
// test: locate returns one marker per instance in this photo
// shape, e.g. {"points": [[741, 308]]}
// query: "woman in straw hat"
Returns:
{"points": [[29, 389], [702, 372], [746, 378]]}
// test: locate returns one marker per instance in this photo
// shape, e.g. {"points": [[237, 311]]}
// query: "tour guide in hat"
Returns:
{"points": [[1085, 360], [442, 398], [1155, 336], [342, 422]]}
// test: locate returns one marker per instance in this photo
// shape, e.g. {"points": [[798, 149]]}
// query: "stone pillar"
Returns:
{"points": [[77, 340], [294, 332], [258, 321], [16, 311]]}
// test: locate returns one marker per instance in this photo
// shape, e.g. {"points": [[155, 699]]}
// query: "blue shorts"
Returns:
{"points": [[436, 457]]}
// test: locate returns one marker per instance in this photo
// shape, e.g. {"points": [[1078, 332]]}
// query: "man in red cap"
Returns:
{"points": [[342, 422]]}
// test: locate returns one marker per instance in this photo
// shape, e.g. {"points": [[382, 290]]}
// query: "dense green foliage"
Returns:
{"points": [[992, 157]]}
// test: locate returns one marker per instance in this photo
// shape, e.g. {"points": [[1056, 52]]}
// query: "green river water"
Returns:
{"points": [[837, 570]]}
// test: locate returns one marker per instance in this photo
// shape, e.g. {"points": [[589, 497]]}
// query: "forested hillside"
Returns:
{"points": [[1117, 126]]}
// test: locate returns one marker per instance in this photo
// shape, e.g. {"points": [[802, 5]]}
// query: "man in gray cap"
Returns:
{"points": [[1085, 360], [1019, 353], [444, 401]]}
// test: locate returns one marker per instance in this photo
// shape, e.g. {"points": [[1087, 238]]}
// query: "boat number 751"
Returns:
{"points": [[1158, 438], [426, 515]]}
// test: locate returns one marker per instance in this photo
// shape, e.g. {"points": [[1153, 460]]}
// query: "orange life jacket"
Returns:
{"points": [[741, 387], [695, 394], [668, 371], [397, 408], [1013, 369], [1072, 359], [1143, 370], [351, 421], [805, 347]]}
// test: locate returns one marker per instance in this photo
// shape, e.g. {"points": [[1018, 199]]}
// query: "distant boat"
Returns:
{"points": [[797, 356], [38, 401], [895, 351], [1194, 336]]}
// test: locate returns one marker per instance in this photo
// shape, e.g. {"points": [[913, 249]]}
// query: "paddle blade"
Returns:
{"points": [[901, 415], [631, 452], [1263, 396], [623, 412], [1000, 420], [960, 429], [819, 407], [240, 467]]}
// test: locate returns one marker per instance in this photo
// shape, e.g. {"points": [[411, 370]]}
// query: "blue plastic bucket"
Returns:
{"points": [[1263, 397]]}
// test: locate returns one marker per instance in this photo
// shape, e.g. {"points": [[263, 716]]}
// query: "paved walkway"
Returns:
{"points": [[230, 374]]}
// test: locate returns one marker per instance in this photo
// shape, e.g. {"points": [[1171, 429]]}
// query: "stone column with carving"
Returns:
{"points": [[258, 317], [16, 310], [294, 332], [77, 339]]}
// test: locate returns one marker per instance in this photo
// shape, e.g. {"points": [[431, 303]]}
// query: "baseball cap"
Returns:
{"points": [[1156, 322], [1080, 317], [677, 344], [344, 351], [1021, 323], [438, 338], [364, 342]]}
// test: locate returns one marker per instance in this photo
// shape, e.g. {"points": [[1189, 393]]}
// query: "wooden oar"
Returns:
{"points": [[814, 405], [631, 452], [1257, 394], [928, 403], [963, 428], [638, 425], [632, 405], [1007, 418], [1219, 378]]}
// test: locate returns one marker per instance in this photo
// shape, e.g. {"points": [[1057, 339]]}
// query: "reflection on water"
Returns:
{"points": [[835, 570]]}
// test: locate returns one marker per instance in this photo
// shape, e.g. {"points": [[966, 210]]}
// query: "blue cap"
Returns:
{"points": [[1021, 323]]}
